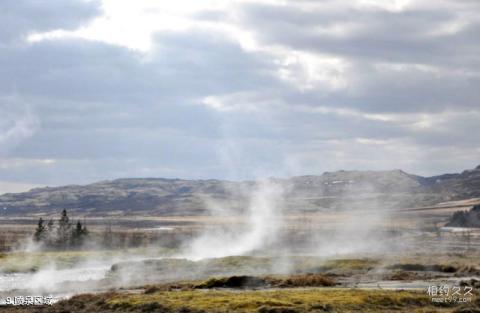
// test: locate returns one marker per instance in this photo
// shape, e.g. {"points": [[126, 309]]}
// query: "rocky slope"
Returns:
{"points": [[157, 196]]}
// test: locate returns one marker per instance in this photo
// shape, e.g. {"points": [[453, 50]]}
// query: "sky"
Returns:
{"points": [[199, 89]]}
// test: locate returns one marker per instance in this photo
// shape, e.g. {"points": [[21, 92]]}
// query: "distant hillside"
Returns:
{"points": [[458, 186], [329, 191]]}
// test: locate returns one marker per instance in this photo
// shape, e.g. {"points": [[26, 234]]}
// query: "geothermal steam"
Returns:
{"points": [[260, 227]]}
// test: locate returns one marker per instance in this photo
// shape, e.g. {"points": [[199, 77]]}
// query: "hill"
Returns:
{"points": [[329, 191]]}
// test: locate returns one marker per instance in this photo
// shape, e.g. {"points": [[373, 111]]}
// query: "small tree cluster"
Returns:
{"points": [[64, 235], [465, 218]]}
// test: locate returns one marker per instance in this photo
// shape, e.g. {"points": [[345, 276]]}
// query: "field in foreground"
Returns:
{"points": [[290, 300]]}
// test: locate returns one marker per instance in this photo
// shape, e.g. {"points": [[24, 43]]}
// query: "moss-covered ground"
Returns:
{"points": [[292, 300]]}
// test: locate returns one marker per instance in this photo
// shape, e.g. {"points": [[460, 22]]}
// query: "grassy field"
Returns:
{"points": [[22, 261], [328, 289], [262, 301], [291, 300]]}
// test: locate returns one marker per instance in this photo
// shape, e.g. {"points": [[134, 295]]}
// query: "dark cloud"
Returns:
{"points": [[19, 18], [191, 64]]}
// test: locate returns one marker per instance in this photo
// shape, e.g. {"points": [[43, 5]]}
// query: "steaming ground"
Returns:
{"points": [[306, 243], [364, 249]]}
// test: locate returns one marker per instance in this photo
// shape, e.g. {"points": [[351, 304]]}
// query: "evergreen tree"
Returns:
{"points": [[64, 236], [64, 230], [39, 231], [50, 226], [64, 218], [84, 229], [108, 237], [78, 235], [50, 235], [79, 227]]}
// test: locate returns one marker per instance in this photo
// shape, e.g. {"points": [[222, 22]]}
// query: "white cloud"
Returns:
{"points": [[242, 102], [12, 187], [390, 5], [132, 23], [308, 71], [15, 163], [17, 123]]}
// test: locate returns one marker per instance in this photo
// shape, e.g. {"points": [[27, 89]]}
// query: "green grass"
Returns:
{"points": [[292, 300], [168, 269], [32, 261], [17, 262], [289, 300]]}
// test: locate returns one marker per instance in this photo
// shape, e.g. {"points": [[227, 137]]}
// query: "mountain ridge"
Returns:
{"points": [[175, 196]]}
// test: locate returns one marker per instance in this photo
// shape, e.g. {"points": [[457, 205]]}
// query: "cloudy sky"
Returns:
{"points": [[93, 90]]}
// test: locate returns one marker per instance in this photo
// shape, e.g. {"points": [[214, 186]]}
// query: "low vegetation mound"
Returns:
{"points": [[403, 275], [233, 282], [306, 280], [289, 281], [182, 269], [474, 283], [423, 268]]}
